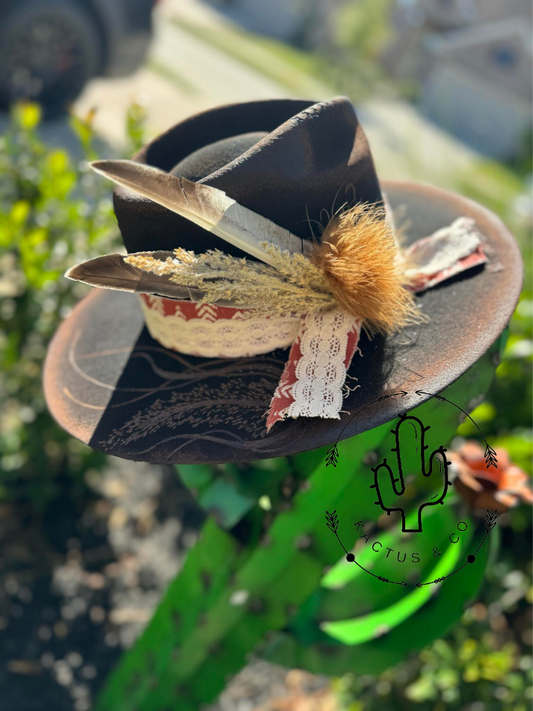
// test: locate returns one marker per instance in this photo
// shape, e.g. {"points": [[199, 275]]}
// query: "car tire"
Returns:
{"points": [[48, 51]]}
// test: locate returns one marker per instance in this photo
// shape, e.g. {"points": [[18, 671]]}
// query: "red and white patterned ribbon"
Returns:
{"points": [[314, 376], [322, 345]]}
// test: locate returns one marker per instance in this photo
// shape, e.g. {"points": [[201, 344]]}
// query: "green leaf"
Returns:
{"points": [[196, 476], [435, 520], [228, 492], [347, 591], [225, 503], [19, 212], [27, 115]]}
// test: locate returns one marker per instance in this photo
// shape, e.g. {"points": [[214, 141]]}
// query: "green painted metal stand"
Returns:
{"points": [[260, 577]]}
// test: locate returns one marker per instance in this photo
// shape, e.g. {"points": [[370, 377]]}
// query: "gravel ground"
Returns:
{"points": [[79, 581]]}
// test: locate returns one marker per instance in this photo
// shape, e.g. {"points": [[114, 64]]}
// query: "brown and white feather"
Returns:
{"points": [[204, 205], [112, 271]]}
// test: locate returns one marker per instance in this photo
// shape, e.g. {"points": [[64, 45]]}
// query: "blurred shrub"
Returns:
{"points": [[360, 32], [53, 213], [364, 27], [484, 663], [135, 125]]}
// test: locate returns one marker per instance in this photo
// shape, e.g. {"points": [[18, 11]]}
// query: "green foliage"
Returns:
{"points": [[389, 646], [135, 121], [364, 27], [229, 491], [53, 213]]}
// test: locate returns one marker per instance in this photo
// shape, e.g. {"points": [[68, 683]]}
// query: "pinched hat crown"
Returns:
{"points": [[286, 160]]}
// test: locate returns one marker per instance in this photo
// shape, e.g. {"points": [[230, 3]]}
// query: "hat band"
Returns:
{"points": [[210, 331], [313, 383]]}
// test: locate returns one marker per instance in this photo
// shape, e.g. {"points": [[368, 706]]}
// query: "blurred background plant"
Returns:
{"points": [[53, 213]]}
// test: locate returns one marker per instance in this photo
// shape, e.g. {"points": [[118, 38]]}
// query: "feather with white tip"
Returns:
{"points": [[204, 205]]}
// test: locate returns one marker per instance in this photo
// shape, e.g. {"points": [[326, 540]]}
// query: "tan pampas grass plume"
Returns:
{"points": [[359, 257], [292, 286]]}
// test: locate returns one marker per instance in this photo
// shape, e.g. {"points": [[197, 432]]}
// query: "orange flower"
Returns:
{"points": [[498, 488]]}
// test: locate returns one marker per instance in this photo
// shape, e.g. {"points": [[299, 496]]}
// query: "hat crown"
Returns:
{"points": [[214, 156], [287, 160]]}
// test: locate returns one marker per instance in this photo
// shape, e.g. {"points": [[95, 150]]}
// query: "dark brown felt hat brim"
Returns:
{"points": [[114, 388]]}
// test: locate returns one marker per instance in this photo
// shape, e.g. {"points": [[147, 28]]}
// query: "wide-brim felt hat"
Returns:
{"points": [[117, 389]]}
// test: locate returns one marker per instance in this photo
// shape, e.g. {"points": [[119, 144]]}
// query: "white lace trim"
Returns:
{"points": [[211, 337], [321, 372]]}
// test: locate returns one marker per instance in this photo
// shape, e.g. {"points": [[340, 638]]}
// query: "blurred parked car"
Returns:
{"points": [[50, 48]]}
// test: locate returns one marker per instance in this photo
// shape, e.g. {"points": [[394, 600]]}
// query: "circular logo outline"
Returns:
{"points": [[490, 519]]}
